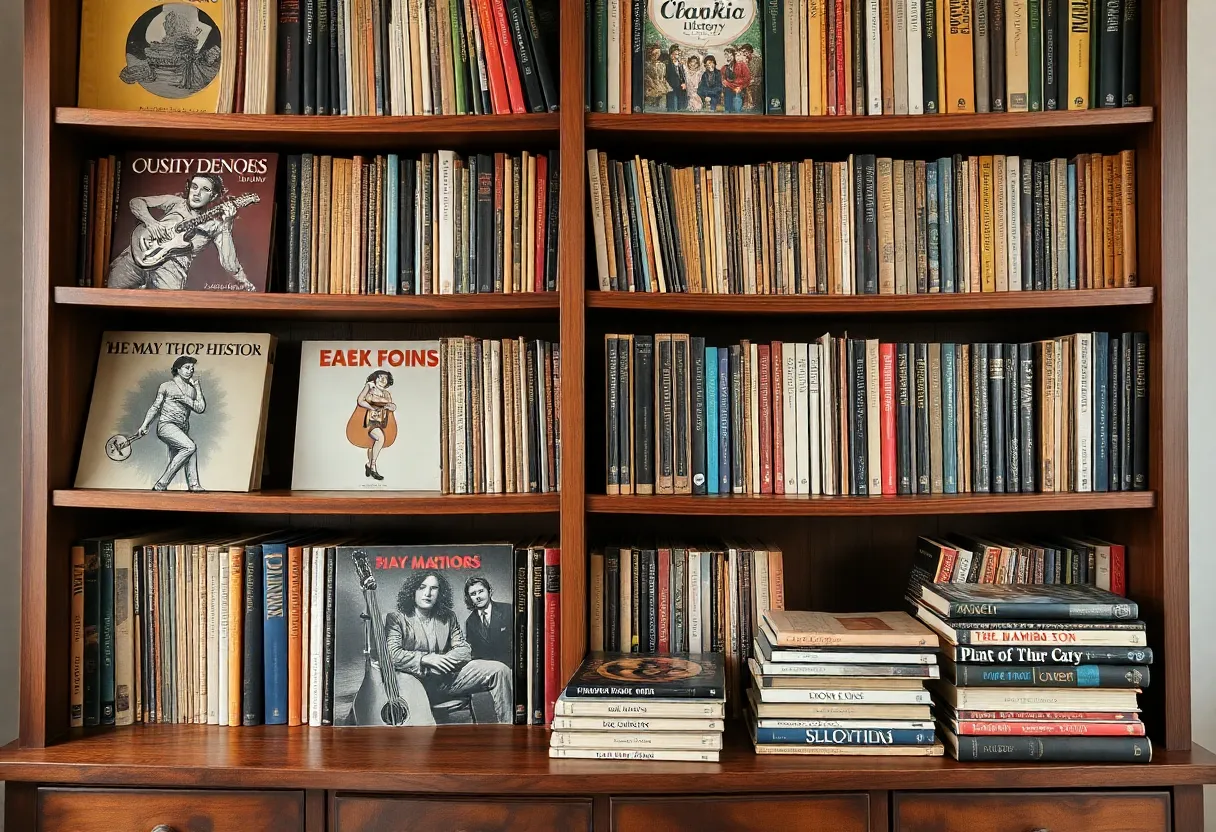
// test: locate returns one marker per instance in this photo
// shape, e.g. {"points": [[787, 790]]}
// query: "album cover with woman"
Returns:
{"points": [[368, 416], [177, 411]]}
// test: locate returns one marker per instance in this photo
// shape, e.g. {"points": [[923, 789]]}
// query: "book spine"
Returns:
{"points": [[858, 438], [1049, 729], [983, 70], [698, 416], [252, 689], [921, 378], [764, 416], [1131, 53], [860, 737], [723, 428], [1046, 749], [296, 635], [536, 714], [599, 59], [1035, 53], [1127, 424], [522, 594], [327, 649], [949, 421], [1059, 611], [553, 629], [643, 414], [1051, 676], [889, 437], [997, 64], [929, 67], [665, 415], [290, 59], [1110, 83], [905, 418], [76, 704], [980, 453], [1026, 416], [274, 634], [613, 462], [681, 400], [540, 57], [523, 53], [960, 56], [1115, 447], [1139, 413], [637, 77], [1051, 54], [996, 417], [106, 631], [775, 13]]}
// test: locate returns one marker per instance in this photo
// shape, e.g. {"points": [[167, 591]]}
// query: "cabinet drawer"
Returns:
{"points": [[1032, 811], [142, 810], [360, 813], [817, 813]]}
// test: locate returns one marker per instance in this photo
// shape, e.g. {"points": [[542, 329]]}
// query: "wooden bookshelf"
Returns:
{"points": [[840, 552]]}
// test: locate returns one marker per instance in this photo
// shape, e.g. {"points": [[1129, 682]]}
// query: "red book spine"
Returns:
{"points": [[238, 94], [553, 630], [778, 421], [494, 73], [886, 385], [1118, 569], [514, 91], [1052, 729], [839, 36], [764, 394], [542, 190], [1048, 716], [994, 561], [664, 602], [945, 566]]}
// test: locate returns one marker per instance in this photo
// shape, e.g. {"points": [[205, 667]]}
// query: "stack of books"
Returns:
{"points": [[842, 683], [619, 706], [1039, 672]]}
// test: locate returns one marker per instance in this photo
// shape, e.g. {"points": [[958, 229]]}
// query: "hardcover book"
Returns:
{"points": [[791, 628], [701, 59], [629, 676], [201, 395], [368, 416], [1027, 602], [199, 221], [444, 616]]}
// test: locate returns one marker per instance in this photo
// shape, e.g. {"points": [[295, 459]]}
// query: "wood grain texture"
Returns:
{"points": [[880, 811], [363, 813], [309, 502], [1188, 809], [503, 760], [138, 810], [529, 306], [862, 305], [820, 813], [314, 810], [1022, 811], [765, 505], [315, 132]]}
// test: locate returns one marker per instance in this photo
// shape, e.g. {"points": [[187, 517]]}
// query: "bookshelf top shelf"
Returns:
{"points": [[802, 130], [492, 759], [310, 502], [357, 133]]}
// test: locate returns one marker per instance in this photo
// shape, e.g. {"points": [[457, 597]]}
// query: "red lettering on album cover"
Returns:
{"points": [[432, 562], [389, 358]]}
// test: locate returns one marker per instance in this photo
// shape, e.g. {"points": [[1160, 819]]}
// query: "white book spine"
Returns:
{"points": [[317, 637], [694, 603], [845, 201], [222, 670], [350, 60], [916, 88], [813, 386], [962, 566], [760, 585], [598, 218], [424, 51], [801, 420], [1102, 566], [719, 234], [706, 589], [793, 78], [805, 55], [124, 637], [521, 403], [732, 593], [873, 421], [446, 248], [1083, 347], [493, 399], [873, 58], [542, 428], [753, 398], [305, 632], [614, 56], [407, 19], [213, 635], [790, 435], [1058, 409], [1013, 207], [899, 10], [395, 79]]}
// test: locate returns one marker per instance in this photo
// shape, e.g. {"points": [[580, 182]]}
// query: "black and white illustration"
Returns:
{"points": [[173, 51], [423, 635]]}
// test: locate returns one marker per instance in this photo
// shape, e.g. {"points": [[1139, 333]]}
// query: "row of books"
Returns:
{"points": [[860, 417], [302, 628], [866, 225], [321, 57], [863, 57], [1056, 696], [473, 416], [677, 599], [977, 559], [500, 416]]}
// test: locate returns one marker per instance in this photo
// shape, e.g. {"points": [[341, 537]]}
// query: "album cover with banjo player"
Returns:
{"points": [[199, 221]]}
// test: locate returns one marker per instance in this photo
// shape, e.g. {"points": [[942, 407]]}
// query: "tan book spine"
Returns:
{"points": [[101, 212], [335, 228], [76, 702], [776, 580], [1065, 417], [709, 245], [1127, 164], [964, 274], [973, 226], [508, 230], [321, 223], [1116, 202], [833, 230], [1098, 219], [1092, 222], [596, 589], [1000, 218], [814, 76], [886, 228], [508, 415], [625, 593], [1044, 371], [1108, 222], [887, 22], [791, 223], [599, 215], [446, 69], [653, 239], [899, 221], [806, 237], [181, 676], [987, 237], [1017, 57], [846, 227], [314, 243], [960, 57], [910, 218], [529, 227], [1057, 413]]}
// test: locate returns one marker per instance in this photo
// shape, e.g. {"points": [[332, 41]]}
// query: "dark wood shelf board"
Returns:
{"points": [[493, 759], [525, 306], [774, 506], [309, 502], [842, 305], [320, 132], [740, 129]]}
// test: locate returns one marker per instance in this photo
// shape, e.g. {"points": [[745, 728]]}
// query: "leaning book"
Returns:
{"points": [[178, 411], [198, 221], [368, 416]]}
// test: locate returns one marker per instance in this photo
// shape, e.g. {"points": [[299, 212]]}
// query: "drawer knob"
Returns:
{"points": [[162, 827]]}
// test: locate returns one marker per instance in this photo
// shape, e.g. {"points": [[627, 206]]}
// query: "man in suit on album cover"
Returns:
{"points": [[490, 625]]}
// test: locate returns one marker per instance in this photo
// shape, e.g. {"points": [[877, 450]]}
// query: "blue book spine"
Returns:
{"points": [[274, 632], [638, 222], [949, 422], [107, 632], [724, 473], [844, 736], [392, 218], [1072, 226], [935, 269], [1101, 412], [945, 221], [711, 419]]}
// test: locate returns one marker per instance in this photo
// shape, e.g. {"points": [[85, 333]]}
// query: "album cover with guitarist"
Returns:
{"points": [[424, 635], [199, 221]]}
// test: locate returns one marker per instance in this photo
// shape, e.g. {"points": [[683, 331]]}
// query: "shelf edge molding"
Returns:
{"points": [[308, 502]]}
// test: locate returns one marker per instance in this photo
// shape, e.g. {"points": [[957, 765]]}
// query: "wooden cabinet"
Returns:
{"points": [[361, 813], [1031, 812], [811, 813], [168, 810]]}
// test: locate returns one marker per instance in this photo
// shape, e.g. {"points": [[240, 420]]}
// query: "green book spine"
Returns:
{"points": [[599, 60], [92, 627], [1035, 54], [106, 631], [774, 57], [459, 59]]}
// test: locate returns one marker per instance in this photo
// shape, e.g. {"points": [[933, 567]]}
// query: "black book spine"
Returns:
{"points": [[736, 421], [553, 207], [774, 57], [671, 258], [620, 279], [538, 636], [860, 436], [527, 62], [715, 610], [903, 416], [860, 278], [1106, 676], [252, 689], [307, 82], [635, 599], [637, 20], [1047, 749], [407, 177], [612, 600], [1013, 422], [293, 222], [290, 64], [106, 632], [1051, 57], [1131, 53], [521, 632], [996, 417], [624, 364], [484, 237], [1026, 415], [1114, 451], [321, 82], [1126, 374], [699, 431], [980, 461], [1026, 191], [996, 43], [1110, 54], [652, 600], [592, 27], [646, 614], [922, 419], [666, 411], [673, 231], [821, 238], [1140, 412], [643, 414], [92, 635], [540, 56], [869, 166], [335, 71], [1063, 41], [613, 457], [1040, 252], [928, 52]]}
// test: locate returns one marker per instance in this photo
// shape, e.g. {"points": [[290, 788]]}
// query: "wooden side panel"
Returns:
{"points": [[359, 813], [819, 813]]}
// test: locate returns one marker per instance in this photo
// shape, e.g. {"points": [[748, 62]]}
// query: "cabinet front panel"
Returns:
{"points": [[168, 810], [819, 813], [1032, 812], [358, 813]]}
